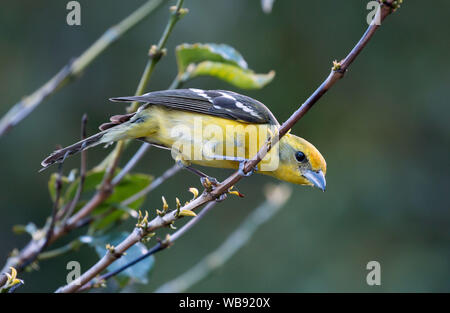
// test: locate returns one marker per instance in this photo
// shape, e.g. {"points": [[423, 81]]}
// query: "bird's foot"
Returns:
{"points": [[242, 166]]}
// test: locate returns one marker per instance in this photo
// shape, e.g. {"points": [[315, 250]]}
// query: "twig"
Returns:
{"points": [[155, 54], [51, 227], [59, 251], [70, 207], [142, 150], [103, 278], [144, 147], [74, 69], [15, 287], [131, 163], [155, 183], [45, 241], [161, 245], [276, 197]]}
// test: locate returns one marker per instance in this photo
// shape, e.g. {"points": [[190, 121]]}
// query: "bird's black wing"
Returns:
{"points": [[221, 103]]}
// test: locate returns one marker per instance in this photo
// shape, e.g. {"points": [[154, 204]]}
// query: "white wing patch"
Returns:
{"points": [[201, 93], [240, 105], [226, 107], [228, 96]]}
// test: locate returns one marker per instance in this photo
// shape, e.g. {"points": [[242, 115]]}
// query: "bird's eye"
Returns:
{"points": [[300, 156]]}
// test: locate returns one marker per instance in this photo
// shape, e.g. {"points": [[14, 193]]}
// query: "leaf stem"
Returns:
{"points": [[59, 251]]}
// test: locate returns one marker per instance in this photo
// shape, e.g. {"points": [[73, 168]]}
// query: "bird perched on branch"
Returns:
{"points": [[214, 128]]}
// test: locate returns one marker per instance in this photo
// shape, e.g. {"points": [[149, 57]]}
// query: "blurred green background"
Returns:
{"points": [[384, 131]]}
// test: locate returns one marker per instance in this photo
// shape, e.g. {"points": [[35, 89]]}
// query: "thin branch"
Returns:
{"points": [[74, 69], [60, 251], [155, 54], [58, 189], [15, 287], [170, 240], [70, 207], [155, 183], [276, 197], [103, 278], [44, 241], [131, 163], [142, 150]]}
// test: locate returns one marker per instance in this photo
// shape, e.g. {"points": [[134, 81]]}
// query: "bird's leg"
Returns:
{"points": [[207, 181], [202, 175], [204, 178]]}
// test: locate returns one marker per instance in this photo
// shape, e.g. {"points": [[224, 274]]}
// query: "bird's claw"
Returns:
{"points": [[209, 181], [221, 197], [241, 169]]}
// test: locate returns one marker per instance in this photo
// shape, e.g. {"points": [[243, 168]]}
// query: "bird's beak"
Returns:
{"points": [[316, 178]]}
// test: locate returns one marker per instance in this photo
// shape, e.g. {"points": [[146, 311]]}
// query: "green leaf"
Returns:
{"points": [[111, 208], [195, 53], [106, 222], [220, 61], [52, 183], [233, 75], [91, 181], [128, 186], [138, 272]]}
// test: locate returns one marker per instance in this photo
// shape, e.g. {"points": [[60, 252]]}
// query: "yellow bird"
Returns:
{"points": [[215, 128]]}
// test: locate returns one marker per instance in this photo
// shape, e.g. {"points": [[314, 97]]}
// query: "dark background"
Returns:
{"points": [[384, 131]]}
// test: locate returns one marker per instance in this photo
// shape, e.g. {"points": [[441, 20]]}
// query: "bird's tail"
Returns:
{"points": [[120, 127], [61, 154]]}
